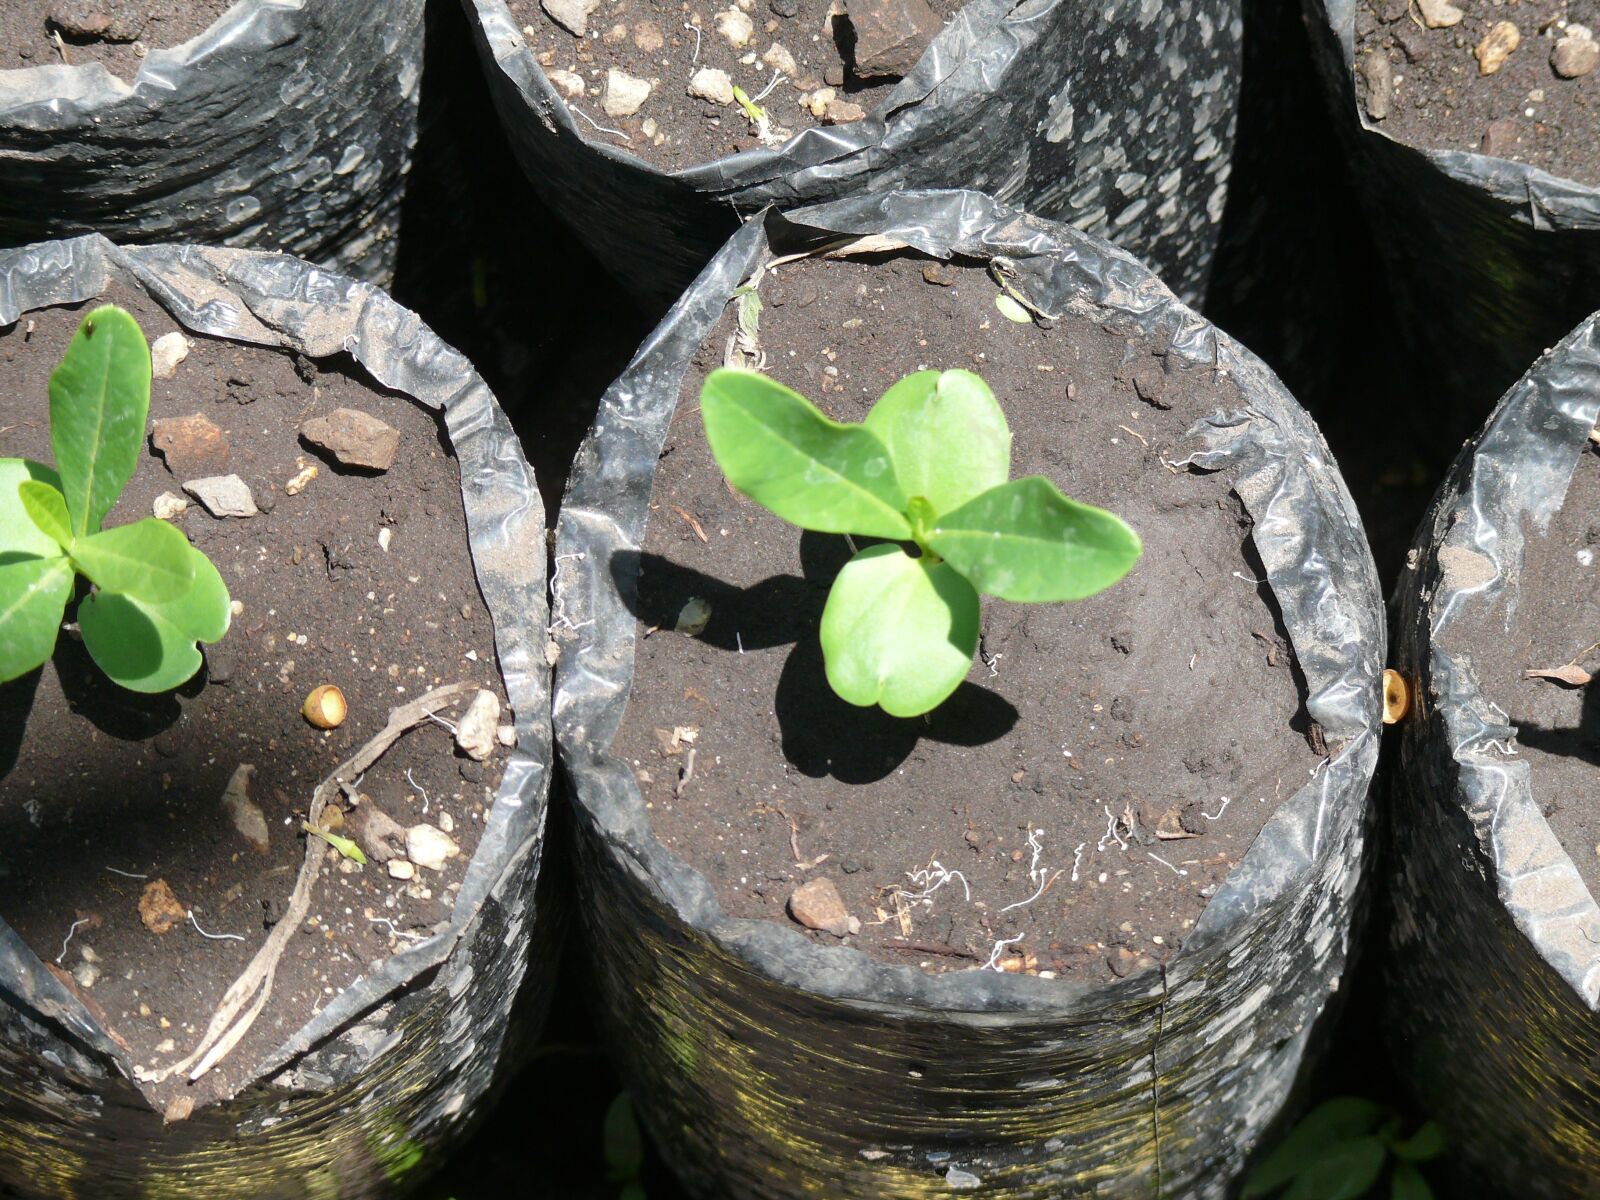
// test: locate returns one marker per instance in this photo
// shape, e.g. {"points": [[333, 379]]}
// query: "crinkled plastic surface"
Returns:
{"points": [[368, 1093], [773, 1067], [1494, 973], [1491, 261], [287, 125], [1115, 115]]}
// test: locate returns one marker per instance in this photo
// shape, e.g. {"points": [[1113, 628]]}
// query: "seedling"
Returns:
{"points": [[1338, 1152], [154, 595], [929, 466]]}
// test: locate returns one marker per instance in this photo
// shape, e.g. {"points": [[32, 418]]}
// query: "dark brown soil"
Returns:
{"points": [[1557, 620], [129, 29], [103, 792], [1172, 690], [1524, 111], [673, 129]]}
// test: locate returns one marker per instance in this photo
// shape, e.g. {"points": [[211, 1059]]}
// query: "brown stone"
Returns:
{"points": [[1496, 47], [191, 446], [98, 20], [355, 438], [376, 832], [1575, 54], [818, 905], [890, 35], [159, 908], [1499, 138]]}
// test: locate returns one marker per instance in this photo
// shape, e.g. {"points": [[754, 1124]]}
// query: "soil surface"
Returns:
{"points": [[104, 792], [116, 33], [1438, 97], [647, 39], [1557, 621], [1082, 729]]}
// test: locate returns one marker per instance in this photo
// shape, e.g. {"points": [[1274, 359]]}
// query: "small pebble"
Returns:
{"points": [[1497, 46]]}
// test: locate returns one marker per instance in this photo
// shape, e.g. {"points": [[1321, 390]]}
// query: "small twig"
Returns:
{"points": [[1132, 433], [685, 775], [688, 519], [61, 47], [930, 948], [215, 937], [794, 829], [66, 941], [238, 1011]]}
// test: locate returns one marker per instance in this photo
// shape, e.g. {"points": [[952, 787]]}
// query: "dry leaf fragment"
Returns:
{"points": [[159, 908], [1571, 674]]}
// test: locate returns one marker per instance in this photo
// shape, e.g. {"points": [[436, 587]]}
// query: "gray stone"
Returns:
{"points": [[818, 905], [223, 496], [571, 15], [624, 94], [475, 731]]}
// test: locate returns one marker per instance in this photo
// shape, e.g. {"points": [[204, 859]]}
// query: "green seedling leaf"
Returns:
{"points": [[134, 644], [624, 1147], [946, 436], [20, 538], [205, 611], [1337, 1120], [1013, 309], [47, 509], [33, 598], [898, 631], [99, 399], [1343, 1171], [1407, 1183], [1025, 541], [148, 560], [1427, 1143], [779, 449], [343, 845]]}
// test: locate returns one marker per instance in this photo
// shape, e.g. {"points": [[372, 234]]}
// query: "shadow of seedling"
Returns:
{"points": [[822, 734], [1581, 741]]}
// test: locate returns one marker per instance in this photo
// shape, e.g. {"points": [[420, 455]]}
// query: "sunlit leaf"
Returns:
{"points": [[33, 597], [946, 436], [20, 538], [135, 644], [898, 632], [99, 399], [47, 509], [783, 452], [1025, 541], [149, 560]]}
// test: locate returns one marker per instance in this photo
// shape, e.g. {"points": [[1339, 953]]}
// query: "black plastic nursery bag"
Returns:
{"points": [[1115, 115], [368, 1093], [773, 1067]]}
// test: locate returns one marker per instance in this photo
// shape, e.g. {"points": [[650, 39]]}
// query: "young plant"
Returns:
{"points": [[929, 466], [154, 595], [1338, 1152]]}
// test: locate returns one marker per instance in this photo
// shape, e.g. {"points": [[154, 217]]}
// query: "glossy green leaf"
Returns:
{"points": [[1025, 541], [1336, 1120], [20, 538], [47, 509], [99, 399], [136, 644], [149, 560], [204, 611], [1343, 1171], [946, 436], [624, 1147], [898, 632], [783, 452], [33, 596], [1428, 1142], [1407, 1183]]}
